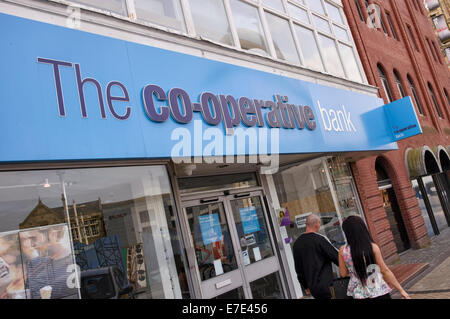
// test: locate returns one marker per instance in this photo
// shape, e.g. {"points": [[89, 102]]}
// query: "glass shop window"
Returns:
{"points": [[166, 13], [333, 13], [321, 24], [309, 47], [275, 4], [248, 26], [298, 13], [304, 190], [341, 33], [345, 187], [211, 21], [116, 6], [282, 38], [116, 224], [331, 56], [350, 64], [316, 5]]}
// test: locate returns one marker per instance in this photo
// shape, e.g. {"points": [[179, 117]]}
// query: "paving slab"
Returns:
{"points": [[438, 279]]}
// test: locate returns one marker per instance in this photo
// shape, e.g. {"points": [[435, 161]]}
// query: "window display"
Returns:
{"points": [[304, 190], [116, 226]]}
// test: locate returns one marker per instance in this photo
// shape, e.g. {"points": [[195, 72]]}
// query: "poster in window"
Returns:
{"points": [[210, 228], [249, 219], [48, 262], [11, 274]]}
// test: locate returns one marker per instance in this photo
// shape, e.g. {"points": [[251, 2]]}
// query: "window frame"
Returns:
{"points": [[190, 29], [399, 83], [385, 83], [415, 94], [391, 25], [412, 38], [446, 96], [435, 101], [360, 12]]}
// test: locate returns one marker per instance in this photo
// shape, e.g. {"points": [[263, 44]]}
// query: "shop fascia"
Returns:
{"points": [[214, 109]]}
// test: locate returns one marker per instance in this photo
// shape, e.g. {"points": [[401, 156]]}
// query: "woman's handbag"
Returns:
{"points": [[339, 288]]}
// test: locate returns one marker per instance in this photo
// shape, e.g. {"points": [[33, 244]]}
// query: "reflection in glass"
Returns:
{"points": [[321, 24], [248, 26], [333, 13], [316, 5], [350, 63], [275, 4], [212, 241], [298, 13], [282, 38], [166, 13], [210, 20], [309, 48], [331, 56], [252, 230], [47, 257], [303, 190], [116, 6], [124, 236], [340, 33], [268, 287], [345, 191]]}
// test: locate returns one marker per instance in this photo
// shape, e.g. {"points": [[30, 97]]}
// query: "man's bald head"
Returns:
{"points": [[313, 223]]}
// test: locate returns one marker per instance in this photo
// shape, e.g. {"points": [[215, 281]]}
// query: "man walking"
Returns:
{"points": [[313, 255]]}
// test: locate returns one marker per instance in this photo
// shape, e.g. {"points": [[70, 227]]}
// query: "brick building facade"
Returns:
{"points": [[398, 55]]}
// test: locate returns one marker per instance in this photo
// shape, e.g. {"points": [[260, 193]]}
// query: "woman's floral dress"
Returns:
{"points": [[375, 287]]}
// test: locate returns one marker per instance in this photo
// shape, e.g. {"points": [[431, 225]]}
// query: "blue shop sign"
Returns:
{"points": [[72, 95]]}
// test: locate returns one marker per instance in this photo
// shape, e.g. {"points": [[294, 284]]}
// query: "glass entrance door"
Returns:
{"points": [[234, 250]]}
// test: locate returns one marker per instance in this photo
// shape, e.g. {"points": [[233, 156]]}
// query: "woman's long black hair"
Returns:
{"points": [[360, 242]]}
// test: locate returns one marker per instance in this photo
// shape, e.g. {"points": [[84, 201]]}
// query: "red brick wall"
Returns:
{"points": [[375, 47]]}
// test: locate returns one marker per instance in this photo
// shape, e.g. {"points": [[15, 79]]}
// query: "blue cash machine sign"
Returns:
{"points": [[210, 228], [402, 119], [71, 95], [249, 220]]}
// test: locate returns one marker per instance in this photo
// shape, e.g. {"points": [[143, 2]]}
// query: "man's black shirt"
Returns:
{"points": [[313, 255]]}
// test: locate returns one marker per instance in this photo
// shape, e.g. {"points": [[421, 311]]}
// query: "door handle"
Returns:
{"points": [[209, 200], [241, 195]]}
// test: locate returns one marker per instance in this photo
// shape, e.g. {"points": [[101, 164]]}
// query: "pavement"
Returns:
{"points": [[433, 281]]}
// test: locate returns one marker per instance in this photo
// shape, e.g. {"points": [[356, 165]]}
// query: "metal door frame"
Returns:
{"points": [[247, 273]]}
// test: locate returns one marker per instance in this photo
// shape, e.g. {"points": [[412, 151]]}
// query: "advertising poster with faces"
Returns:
{"points": [[37, 264], [11, 273]]}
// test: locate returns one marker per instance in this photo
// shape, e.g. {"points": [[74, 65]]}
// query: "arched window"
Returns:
{"points": [[399, 84], [358, 7], [446, 96], [435, 102], [385, 83], [415, 96]]}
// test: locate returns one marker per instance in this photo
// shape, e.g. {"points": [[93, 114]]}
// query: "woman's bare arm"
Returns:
{"points": [[343, 270], [387, 273]]}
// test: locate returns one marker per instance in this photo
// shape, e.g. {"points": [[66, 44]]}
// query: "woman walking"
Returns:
{"points": [[361, 259]]}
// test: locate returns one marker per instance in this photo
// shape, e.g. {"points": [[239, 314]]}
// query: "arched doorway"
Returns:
{"points": [[442, 181], [435, 186], [392, 208]]}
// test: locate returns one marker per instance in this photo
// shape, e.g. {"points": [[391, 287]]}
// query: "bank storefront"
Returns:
{"points": [[156, 174]]}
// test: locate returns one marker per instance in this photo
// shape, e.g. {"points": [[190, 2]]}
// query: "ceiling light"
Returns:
{"points": [[46, 184]]}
